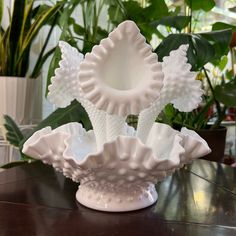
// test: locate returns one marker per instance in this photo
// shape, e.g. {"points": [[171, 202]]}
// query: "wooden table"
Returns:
{"points": [[197, 200]]}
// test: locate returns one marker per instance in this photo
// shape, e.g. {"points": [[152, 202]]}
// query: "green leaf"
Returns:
{"points": [[16, 29], [1, 9], [172, 42], [205, 5], [201, 117], [223, 63], [36, 26], [220, 40], [156, 10], [40, 21], [40, 10], [226, 94], [143, 16], [222, 25], [178, 22], [79, 30], [229, 74], [26, 21], [42, 57], [203, 48], [169, 111], [147, 30], [134, 11], [40, 63], [116, 14], [13, 134], [20, 67], [72, 113], [53, 65], [14, 164], [101, 34], [24, 157]]}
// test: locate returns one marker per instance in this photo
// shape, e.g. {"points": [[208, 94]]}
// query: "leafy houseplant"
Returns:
{"points": [[16, 40], [211, 47]]}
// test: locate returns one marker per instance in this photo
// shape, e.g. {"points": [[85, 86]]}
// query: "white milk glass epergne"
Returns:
{"points": [[117, 166]]}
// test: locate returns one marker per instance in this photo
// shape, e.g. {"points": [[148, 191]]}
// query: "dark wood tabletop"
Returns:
{"points": [[197, 200]]}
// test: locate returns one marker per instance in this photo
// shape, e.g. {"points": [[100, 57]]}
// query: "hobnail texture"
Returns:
{"points": [[180, 88], [116, 165], [121, 175], [64, 85], [65, 88]]}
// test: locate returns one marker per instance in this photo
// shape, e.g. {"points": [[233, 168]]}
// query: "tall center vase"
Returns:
{"points": [[21, 98]]}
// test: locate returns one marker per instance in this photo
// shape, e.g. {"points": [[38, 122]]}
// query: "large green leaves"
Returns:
{"points": [[205, 5], [16, 41], [178, 22], [157, 9], [42, 20], [15, 163], [13, 133], [222, 25], [16, 29], [220, 40], [72, 113], [1, 9], [15, 137], [143, 16], [226, 94], [203, 48]]}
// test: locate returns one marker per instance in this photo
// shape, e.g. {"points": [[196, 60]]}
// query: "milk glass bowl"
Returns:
{"points": [[117, 166]]}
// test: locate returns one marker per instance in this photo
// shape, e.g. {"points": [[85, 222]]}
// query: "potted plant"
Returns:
{"points": [[206, 49], [207, 119], [18, 86]]}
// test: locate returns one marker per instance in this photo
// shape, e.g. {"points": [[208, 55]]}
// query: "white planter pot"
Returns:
{"points": [[21, 98]]}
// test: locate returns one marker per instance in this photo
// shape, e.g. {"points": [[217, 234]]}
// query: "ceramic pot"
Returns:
{"points": [[233, 40], [216, 139], [21, 98]]}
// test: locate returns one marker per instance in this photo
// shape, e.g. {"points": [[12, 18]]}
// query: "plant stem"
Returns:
{"points": [[190, 15], [84, 17], [37, 66], [232, 60], [196, 20], [219, 118], [202, 113], [220, 112], [82, 39]]}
